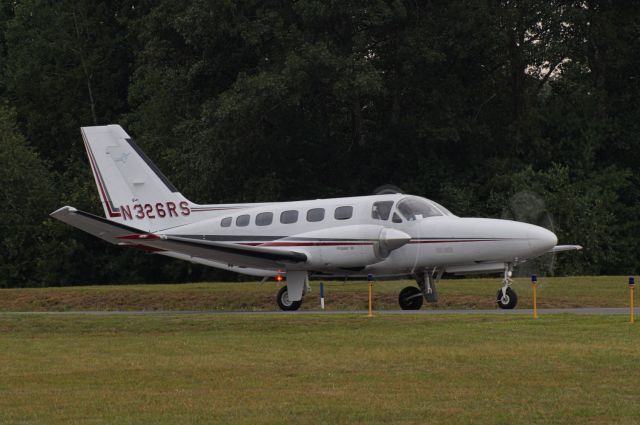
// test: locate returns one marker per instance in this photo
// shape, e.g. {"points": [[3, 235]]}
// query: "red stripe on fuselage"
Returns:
{"points": [[455, 241], [314, 243]]}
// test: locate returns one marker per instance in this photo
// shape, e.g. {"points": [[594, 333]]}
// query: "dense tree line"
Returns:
{"points": [[502, 108]]}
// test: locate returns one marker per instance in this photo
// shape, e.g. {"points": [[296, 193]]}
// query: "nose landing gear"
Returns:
{"points": [[506, 298]]}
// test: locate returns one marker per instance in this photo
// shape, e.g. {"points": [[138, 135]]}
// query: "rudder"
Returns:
{"points": [[132, 189]]}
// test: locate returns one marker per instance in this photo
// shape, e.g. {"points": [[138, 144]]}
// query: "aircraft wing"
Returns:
{"points": [[226, 253], [229, 253]]}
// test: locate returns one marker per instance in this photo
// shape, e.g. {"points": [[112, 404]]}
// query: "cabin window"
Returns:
{"points": [[226, 222], [381, 210], [243, 220], [315, 214], [264, 219], [343, 213], [396, 218], [289, 216]]}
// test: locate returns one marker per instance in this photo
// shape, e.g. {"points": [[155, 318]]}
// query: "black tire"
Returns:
{"points": [[285, 303], [408, 299], [510, 300]]}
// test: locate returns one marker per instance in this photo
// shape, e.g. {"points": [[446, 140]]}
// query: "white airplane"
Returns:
{"points": [[390, 236]]}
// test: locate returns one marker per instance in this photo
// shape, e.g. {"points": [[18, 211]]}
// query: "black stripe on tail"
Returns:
{"points": [[151, 165]]}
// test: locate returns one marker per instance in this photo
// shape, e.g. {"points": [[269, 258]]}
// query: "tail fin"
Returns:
{"points": [[132, 189]]}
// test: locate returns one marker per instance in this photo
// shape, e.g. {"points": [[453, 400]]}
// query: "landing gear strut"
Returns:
{"points": [[506, 298], [411, 298]]}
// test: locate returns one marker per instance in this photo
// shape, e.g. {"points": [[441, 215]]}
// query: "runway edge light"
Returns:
{"points": [[322, 295], [370, 279], [534, 284]]}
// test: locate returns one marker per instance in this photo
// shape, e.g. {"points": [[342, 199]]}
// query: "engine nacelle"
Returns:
{"points": [[349, 246]]}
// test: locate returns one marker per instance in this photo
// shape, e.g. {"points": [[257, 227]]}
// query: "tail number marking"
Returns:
{"points": [[157, 210]]}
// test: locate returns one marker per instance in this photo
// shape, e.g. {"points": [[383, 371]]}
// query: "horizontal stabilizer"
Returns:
{"points": [[107, 230], [561, 248]]}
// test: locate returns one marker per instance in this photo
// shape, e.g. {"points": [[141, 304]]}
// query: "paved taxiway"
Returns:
{"points": [[541, 311]]}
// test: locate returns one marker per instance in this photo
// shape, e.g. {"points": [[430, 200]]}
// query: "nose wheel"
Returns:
{"points": [[506, 298]]}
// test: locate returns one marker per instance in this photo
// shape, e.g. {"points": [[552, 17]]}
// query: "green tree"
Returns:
{"points": [[67, 66], [26, 189], [580, 211], [462, 101]]}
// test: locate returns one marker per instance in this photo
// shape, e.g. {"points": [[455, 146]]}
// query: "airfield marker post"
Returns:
{"points": [[631, 290], [534, 284], [322, 295], [370, 279]]}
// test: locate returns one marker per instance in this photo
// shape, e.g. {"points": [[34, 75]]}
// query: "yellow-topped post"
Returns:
{"points": [[534, 285], [631, 289], [370, 279]]}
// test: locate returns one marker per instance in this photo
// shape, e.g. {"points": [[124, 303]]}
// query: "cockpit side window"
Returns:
{"points": [[413, 208], [396, 218], [381, 210]]}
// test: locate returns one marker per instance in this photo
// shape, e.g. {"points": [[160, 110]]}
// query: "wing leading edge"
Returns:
{"points": [[226, 253]]}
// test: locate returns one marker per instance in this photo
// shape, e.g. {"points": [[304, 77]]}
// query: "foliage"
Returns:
{"points": [[469, 103], [26, 190]]}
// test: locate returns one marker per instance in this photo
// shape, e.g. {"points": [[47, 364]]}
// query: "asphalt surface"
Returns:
{"points": [[541, 311]]}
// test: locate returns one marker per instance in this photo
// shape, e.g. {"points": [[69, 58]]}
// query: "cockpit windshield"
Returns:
{"points": [[413, 208], [443, 209]]}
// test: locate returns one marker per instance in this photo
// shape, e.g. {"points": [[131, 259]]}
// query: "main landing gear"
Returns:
{"points": [[289, 297], [285, 303], [411, 298], [506, 298]]}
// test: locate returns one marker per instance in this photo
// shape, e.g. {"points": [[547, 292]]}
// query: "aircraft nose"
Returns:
{"points": [[541, 240]]}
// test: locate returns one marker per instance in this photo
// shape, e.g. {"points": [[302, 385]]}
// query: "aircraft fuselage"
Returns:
{"points": [[342, 236]]}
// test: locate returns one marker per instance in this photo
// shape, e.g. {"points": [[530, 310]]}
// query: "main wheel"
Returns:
{"points": [[285, 303], [410, 298], [508, 301]]}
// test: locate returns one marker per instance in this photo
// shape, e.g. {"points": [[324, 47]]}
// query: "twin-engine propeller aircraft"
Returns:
{"points": [[390, 236]]}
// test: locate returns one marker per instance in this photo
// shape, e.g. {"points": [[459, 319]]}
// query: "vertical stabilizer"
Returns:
{"points": [[132, 189]]}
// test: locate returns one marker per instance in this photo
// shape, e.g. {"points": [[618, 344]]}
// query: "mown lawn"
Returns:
{"points": [[390, 369], [587, 291]]}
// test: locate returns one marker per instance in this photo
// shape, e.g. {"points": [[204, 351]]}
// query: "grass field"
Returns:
{"points": [[601, 291], [188, 369]]}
